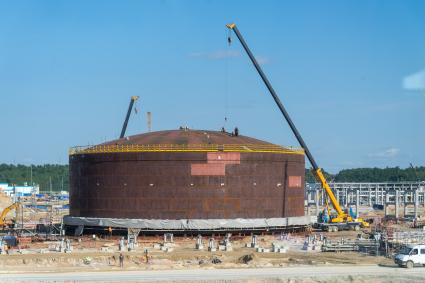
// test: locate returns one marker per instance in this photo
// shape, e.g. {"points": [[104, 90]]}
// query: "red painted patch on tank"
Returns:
{"points": [[224, 157], [294, 181], [208, 169]]}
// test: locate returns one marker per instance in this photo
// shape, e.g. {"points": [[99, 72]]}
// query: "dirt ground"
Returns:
{"points": [[103, 254]]}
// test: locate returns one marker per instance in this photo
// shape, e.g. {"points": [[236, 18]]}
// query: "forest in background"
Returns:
{"points": [[55, 176], [389, 174]]}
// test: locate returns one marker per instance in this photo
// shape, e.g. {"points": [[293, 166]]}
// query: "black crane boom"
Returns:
{"points": [[342, 217], [274, 95], [127, 116]]}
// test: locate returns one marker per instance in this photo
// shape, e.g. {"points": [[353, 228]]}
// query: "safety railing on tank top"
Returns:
{"points": [[184, 148]]}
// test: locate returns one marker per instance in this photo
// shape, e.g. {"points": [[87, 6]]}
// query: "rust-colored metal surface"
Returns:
{"points": [[187, 137], [187, 185]]}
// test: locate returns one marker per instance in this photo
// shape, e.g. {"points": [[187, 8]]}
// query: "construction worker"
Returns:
{"points": [[121, 260], [146, 255]]}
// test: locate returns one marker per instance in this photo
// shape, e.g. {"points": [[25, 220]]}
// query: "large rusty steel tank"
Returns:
{"points": [[186, 174]]}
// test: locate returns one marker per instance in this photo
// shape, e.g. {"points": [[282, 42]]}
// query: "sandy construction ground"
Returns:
{"points": [[102, 255]]}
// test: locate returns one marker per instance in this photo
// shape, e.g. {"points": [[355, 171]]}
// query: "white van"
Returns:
{"points": [[411, 255]]}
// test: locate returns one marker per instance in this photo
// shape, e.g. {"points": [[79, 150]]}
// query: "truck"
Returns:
{"points": [[410, 256]]}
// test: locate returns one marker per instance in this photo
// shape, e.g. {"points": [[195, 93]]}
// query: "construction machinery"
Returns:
{"points": [[4, 213], [332, 222], [127, 116]]}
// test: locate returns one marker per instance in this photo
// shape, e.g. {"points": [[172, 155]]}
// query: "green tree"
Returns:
{"points": [[46, 176]]}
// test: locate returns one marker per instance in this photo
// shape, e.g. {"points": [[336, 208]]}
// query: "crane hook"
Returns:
{"points": [[229, 37]]}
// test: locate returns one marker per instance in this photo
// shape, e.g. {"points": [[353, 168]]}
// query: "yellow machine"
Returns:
{"points": [[6, 211], [342, 220], [342, 217]]}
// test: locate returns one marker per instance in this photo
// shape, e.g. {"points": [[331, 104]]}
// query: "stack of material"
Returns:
{"points": [[350, 245], [407, 237], [277, 248], [340, 246], [313, 243]]}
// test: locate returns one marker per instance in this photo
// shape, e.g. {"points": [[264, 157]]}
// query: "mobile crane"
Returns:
{"points": [[127, 116], [342, 220]]}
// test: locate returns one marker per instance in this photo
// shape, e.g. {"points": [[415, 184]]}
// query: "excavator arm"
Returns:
{"points": [[6, 211]]}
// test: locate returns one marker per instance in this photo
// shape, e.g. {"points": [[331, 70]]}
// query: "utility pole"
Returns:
{"points": [[50, 182], [22, 216]]}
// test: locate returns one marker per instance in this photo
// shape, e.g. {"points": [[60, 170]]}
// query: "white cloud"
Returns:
{"points": [[216, 55], [415, 81], [388, 153]]}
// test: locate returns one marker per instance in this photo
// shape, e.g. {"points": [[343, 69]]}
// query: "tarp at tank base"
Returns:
{"points": [[193, 224]]}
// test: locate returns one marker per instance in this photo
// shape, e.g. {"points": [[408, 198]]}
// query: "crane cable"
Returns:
{"points": [[135, 108], [226, 79], [229, 37]]}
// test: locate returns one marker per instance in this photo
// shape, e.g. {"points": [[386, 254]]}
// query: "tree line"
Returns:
{"points": [[50, 177], [55, 177], [389, 174]]}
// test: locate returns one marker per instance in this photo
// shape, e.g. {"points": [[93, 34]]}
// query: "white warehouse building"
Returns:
{"points": [[18, 190]]}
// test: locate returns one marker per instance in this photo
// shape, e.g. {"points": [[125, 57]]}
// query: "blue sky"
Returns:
{"points": [[350, 73]]}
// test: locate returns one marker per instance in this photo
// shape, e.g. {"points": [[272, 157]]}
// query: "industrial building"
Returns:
{"points": [[18, 191], [187, 179]]}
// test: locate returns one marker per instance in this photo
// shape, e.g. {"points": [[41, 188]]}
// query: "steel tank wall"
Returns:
{"points": [[186, 185]]}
